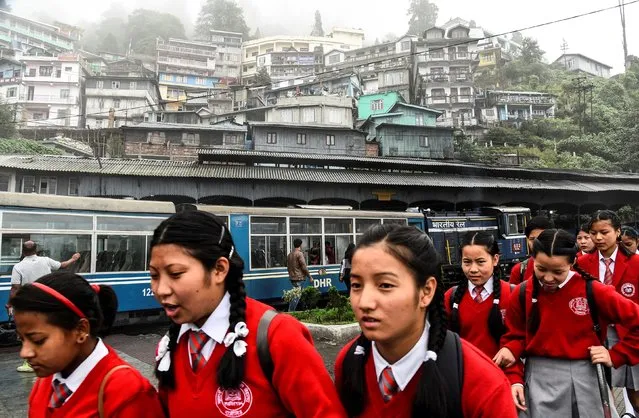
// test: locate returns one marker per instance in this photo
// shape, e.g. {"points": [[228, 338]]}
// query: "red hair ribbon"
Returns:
{"points": [[96, 288], [59, 296]]}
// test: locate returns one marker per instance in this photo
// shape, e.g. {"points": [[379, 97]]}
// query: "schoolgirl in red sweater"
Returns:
{"points": [[584, 241], [477, 306], [612, 263], [58, 319], [534, 227], [556, 335], [208, 364], [391, 369]]}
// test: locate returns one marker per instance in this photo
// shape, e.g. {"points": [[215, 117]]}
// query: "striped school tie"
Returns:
{"points": [[197, 341], [387, 384], [61, 393], [608, 274], [477, 297]]}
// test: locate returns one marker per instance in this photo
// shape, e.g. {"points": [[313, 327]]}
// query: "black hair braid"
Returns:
{"points": [[352, 390], [430, 400], [495, 320], [460, 291], [167, 379], [534, 318], [230, 372], [583, 273]]}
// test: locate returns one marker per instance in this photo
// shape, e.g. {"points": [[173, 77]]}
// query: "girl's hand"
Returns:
{"points": [[518, 397], [504, 358], [600, 355], [341, 278]]}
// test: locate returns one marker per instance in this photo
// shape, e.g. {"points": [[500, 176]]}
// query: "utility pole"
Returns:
{"points": [[622, 12], [564, 49]]}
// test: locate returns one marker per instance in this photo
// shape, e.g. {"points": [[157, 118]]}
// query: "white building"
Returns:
{"points": [[229, 55], [254, 53], [582, 63], [51, 92], [24, 35]]}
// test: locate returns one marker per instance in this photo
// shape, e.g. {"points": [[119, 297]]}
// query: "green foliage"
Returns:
{"points": [[25, 147], [145, 26], [221, 15], [7, 121], [310, 297], [335, 299], [422, 16], [627, 214], [329, 316], [318, 30], [294, 293], [262, 78], [530, 52]]}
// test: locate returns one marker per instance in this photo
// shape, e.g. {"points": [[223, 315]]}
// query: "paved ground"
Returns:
{"points": [[137, 346]]}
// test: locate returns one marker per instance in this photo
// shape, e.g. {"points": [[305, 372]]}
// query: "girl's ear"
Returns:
{"points": [[82, 331], [427, 292], [220, 270], [495, 260]]}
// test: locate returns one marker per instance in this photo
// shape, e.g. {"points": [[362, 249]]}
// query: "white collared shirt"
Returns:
{"points": [[75, 379], [570, 274], [602, 265], [485, 294], [215, 327], [405, 368]]}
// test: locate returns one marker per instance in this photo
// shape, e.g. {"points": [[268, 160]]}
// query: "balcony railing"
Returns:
{"points": [[52, 99], [39, 36], [186, 50], [183, 62]]}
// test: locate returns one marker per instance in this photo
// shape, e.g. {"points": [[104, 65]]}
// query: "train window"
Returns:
{"points": [[362, 225], [268, 225], [27, 220], [268, 251], [58, 247], [395, 221], [120, 253], [338, 226], [335, 247], [305, 226], [116, 223], [311, 248], [516, 224]]}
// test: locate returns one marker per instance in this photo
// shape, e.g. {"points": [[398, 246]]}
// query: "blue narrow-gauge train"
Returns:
{"points": [[113, 238]]}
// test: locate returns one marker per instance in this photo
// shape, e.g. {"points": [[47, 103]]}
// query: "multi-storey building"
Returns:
{"points": [[52, 91], [119, 94], [228, 64], [514, 106], [583, 64], [256, 52], [18, 33], [186, 67], [291, 63], [11, 87], [444, 63]]}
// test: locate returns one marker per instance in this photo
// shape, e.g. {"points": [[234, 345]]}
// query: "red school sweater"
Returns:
{"points": [[485, 392], [565, 327], [515, 272], [301, 385], [473, 318], [127, 394]]}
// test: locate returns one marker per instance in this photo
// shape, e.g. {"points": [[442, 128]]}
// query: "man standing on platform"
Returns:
{"points": [[297, 271]]}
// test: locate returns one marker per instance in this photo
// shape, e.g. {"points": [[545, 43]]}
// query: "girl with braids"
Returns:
{"points": [[554, 331], [392, 369], [59, 319], [584, 240], [613, 264], [630, 239], [208, 364], [481, 298]]}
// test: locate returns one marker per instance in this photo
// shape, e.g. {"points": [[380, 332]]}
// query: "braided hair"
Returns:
{"points": [[552, 242], [207, 239], [416, 250], [495, 319]]}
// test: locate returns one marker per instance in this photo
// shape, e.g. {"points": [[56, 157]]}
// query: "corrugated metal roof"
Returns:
{"points": [[184, 127], [153, 168]]}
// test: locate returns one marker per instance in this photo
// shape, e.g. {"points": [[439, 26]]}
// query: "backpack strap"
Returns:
{"points": [[522, 296], [103, 386], [263, 351], [522, 268], [512, 287], [450, 363], [594, 311], [452, 296]]}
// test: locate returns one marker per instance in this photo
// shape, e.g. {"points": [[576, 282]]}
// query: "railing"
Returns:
{"points": [[12, 80], [186, 50], [183, 62], [40, 36], [49, 99]]}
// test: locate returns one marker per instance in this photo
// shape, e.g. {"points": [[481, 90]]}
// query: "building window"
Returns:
{"points": [[12, 92], [405, 45], [73, 186], [48, 185], [116, 103], [133, 85], [330, 140], [99, 84], [419, 120], [64, 93], [232, 139], [308, 114], [271, 138], [464, 92], [28, 184], [423, 141], [437, 54], [16, 73], [189, 138], [333, 59], [5, 181], [38, 116], [156, 137], [377, 105], [32, 72], [68, 69], [490, 112], [101, 103], [115, 84], [45, 71], [301, 139], [98, 123]]}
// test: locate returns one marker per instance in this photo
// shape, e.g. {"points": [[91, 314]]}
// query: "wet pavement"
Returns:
{"points": [[135, 345]]}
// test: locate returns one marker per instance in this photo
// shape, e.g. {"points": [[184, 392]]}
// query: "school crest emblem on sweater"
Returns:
{"points": [[628, 290], [234, 402], [579, 306]]}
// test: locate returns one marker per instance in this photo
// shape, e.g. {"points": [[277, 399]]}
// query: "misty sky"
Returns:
{"points": [[598, 36]]}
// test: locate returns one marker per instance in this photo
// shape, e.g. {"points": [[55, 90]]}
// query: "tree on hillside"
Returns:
{"points": [[262, 78], [257, 34], [422, 15], [110, 44], [7, 121], [145, 26], [221, 15], [530, 51], [5, 6], [318, 30]]}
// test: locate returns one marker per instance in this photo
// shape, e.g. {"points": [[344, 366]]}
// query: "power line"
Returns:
{"points": [[412, 54]]}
